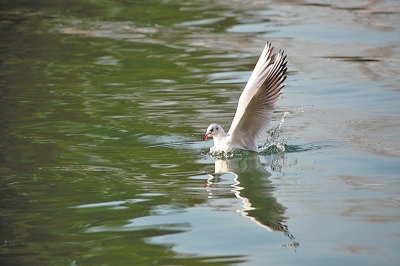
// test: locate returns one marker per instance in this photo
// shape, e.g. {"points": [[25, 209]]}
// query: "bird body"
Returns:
{"points": [[256, 105]]}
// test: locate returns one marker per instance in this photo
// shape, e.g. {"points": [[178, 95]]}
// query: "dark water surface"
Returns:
{"points": [[104, 103]]}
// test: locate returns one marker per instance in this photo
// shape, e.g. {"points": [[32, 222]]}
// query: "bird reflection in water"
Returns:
{"points": [[253, 187]]}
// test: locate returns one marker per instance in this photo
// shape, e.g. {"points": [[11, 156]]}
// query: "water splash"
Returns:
{"points": [[235, 153], [274, 142]]}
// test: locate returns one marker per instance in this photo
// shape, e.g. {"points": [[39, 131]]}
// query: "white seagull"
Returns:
{"points": [[256, 105]]}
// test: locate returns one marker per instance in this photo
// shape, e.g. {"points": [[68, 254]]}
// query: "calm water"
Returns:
{"points": [[104, 103]]}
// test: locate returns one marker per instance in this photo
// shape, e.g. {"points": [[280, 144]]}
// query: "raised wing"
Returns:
{"points": [[258, 99]]}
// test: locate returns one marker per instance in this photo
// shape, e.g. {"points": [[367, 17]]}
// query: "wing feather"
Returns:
{"points": [[255, 81], [259, 98]]}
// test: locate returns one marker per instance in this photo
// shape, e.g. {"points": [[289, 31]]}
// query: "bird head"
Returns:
{"points": [[213, 130]]}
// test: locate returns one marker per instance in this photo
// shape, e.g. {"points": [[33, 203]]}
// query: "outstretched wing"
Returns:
{"points": [[258, 99]]}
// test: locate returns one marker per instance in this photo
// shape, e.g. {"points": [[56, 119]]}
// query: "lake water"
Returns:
{"points": [[104, 104]]}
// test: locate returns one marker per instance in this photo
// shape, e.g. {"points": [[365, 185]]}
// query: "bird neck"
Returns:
{"points": [[218, 138]]}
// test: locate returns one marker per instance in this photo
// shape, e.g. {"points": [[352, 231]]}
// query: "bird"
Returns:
{"points": [[255, 106]]}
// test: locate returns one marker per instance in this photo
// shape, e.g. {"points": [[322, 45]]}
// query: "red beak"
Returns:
{"points": [[206, 136]]}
